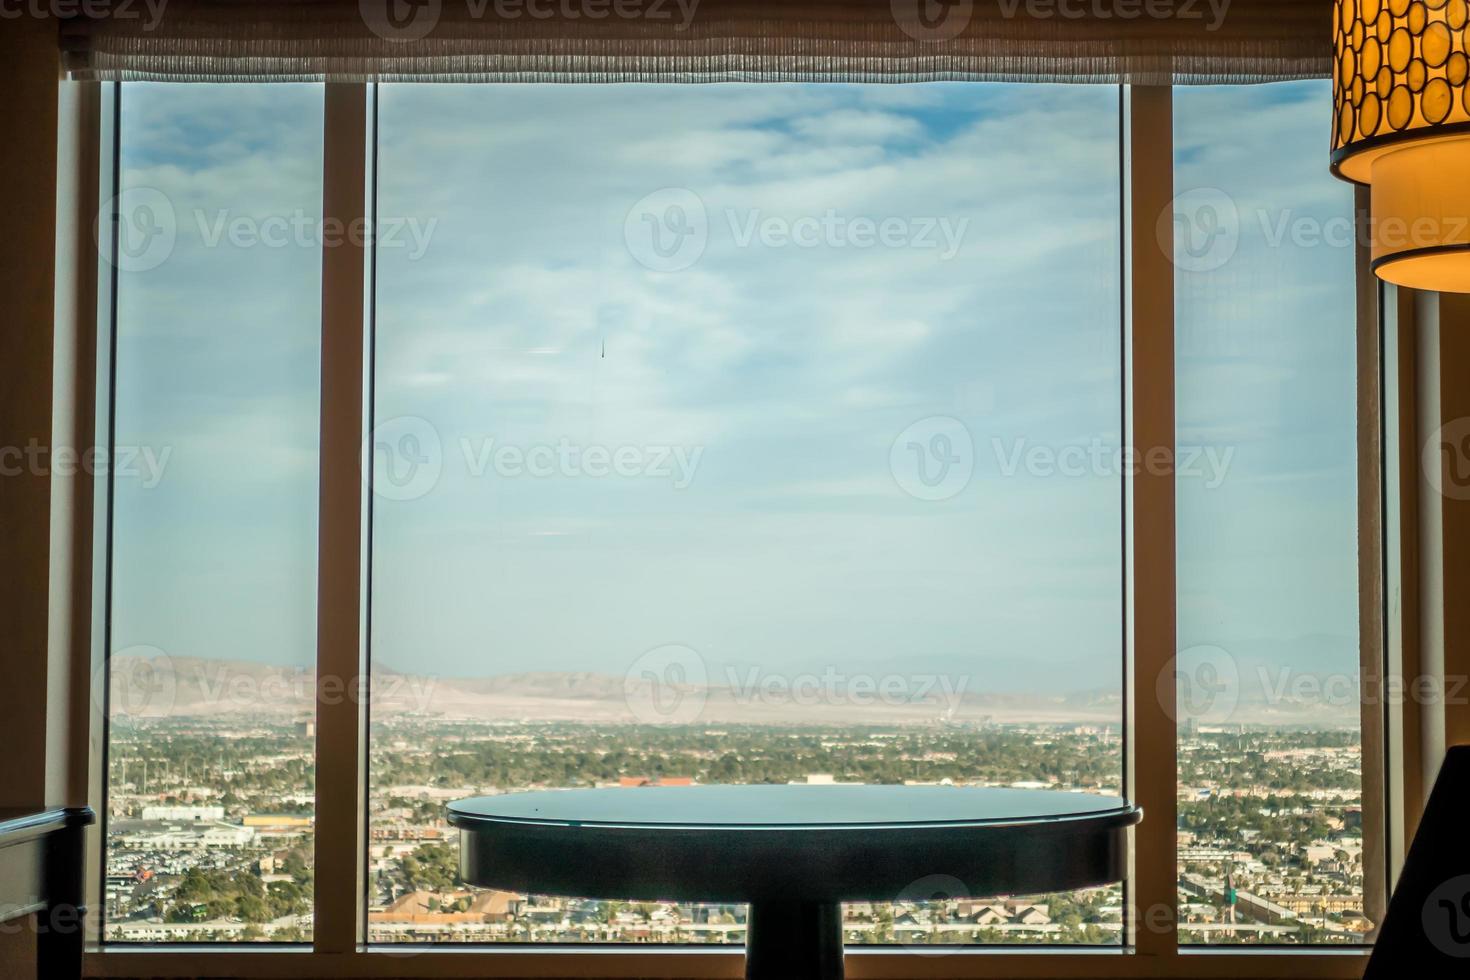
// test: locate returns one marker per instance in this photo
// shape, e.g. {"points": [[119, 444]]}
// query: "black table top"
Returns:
{"points": [[808, 843], [802, 806]]}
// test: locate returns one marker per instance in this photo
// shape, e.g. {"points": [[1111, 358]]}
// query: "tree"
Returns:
{"points": [[431, 867], [252, 908]]}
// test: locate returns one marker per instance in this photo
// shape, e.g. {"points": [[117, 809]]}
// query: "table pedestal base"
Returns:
{"points": [[793, 941]]}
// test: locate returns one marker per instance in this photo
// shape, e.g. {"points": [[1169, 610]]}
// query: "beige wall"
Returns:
{"points": [[28, 75], [18, 953], [1454, 393], [28, 79]]}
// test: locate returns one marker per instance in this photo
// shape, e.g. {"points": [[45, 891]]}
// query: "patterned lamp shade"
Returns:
{"points": [[1401, 99]]}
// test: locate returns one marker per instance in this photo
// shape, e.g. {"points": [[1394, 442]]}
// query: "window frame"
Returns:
{"points": [[339, 949]]}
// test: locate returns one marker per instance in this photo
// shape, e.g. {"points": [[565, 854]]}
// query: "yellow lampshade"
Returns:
{"points": [[1421, 215], [1401, 123]]}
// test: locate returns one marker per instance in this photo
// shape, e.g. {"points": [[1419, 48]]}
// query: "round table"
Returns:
{"points": [[794, 853]]}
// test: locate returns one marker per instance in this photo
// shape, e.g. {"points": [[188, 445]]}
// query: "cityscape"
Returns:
{"points": [[209, 827]]}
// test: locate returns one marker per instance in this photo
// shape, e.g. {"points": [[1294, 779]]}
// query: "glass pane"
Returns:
{"points": [[741, 434], [210, 751], [1270, 766]]}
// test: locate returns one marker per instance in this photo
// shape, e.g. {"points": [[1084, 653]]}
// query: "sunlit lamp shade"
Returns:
{"points": [[1401, 123]]}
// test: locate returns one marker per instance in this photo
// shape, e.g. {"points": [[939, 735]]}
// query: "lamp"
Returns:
{"points": [[1401, 124]]}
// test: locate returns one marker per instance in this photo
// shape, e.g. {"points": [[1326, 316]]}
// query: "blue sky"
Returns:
{"points": [[789, 370]]}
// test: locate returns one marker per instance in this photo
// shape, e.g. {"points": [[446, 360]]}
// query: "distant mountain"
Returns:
{"points": [[162, 686]]}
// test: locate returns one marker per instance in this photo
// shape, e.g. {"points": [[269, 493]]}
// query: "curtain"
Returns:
{"points": [[1140, 41]]}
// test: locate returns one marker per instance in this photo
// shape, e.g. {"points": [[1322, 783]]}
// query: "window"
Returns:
{"points": [[748, 385], [723, 434], [1270, 765], [213, 628]]}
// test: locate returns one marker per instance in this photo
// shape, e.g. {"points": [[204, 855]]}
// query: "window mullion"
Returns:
{"points": [[1372, 614], [78, 508], [1404, 789], [1152, 763], [340, 806]]}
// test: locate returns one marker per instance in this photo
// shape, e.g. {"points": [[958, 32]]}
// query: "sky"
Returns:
{"points": [[836, 451]]}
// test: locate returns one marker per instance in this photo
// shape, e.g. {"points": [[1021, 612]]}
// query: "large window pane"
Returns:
{"points": [[741, 434], [210, 750], [1270, 767]]}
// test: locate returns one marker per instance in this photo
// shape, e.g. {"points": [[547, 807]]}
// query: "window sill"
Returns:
{"points": [[675, 964]]}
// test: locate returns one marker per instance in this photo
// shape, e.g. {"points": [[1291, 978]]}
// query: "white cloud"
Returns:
{"points": [[792, 369]]}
